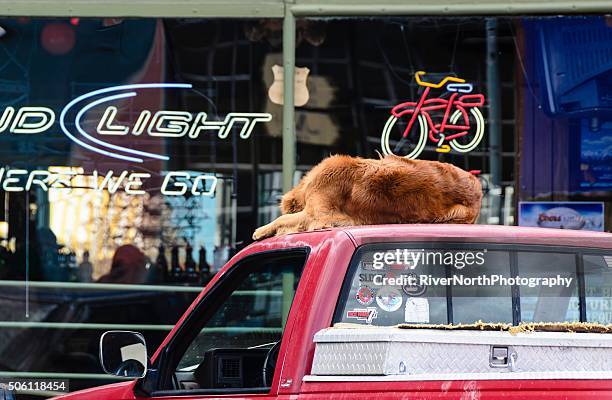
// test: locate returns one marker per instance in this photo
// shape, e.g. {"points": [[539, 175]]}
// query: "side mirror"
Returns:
{"points": [[123, 353]]}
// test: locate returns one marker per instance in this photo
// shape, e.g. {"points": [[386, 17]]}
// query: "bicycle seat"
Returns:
{"points": [[418, 74]]}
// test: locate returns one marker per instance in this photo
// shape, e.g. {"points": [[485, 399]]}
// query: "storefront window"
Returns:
{"points": [[526, 97], [138, 155], [363, 72], [134, 132], [132, 151]]}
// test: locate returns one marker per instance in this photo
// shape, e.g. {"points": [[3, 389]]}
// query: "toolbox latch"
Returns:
{"points": [[502, 357]]}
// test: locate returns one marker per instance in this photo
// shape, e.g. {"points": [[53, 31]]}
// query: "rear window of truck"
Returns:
{"points": [[446, 283]]}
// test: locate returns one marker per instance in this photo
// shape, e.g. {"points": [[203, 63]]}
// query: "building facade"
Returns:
{"points": [[143, 143]]}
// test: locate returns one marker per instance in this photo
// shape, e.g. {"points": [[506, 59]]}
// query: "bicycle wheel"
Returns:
{"points": [[403, 146], [463, 147]]}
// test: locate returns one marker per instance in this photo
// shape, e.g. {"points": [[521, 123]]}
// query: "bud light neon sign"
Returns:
{"points": [[160, 123]]}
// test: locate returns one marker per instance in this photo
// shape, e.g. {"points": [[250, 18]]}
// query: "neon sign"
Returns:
{"points": [[176, 183], [161, 123], [461, 124]]}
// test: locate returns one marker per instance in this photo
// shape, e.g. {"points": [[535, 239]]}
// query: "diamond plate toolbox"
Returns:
{"points": [[421, 352]]}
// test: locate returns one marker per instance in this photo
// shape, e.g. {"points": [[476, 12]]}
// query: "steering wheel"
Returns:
{"points": [[270, 364], [130, 368]]}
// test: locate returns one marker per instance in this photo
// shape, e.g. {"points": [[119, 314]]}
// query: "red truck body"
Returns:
{"points": [[315, 301]]}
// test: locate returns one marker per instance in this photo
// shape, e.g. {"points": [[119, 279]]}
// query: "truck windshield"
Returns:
{"points": [[466, 283]]}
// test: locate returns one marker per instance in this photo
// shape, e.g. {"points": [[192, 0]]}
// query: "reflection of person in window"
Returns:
{"points": [[128, 266], [85, 268]]}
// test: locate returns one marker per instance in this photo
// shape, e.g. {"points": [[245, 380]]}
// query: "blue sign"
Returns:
{"points": [[595, 157], [588, 216]]}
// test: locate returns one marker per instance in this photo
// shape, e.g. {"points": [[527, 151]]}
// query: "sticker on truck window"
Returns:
{"points": [[365, 295], [363, 314], [367, 265], [416, 289], [417, 310], [389, 299]]}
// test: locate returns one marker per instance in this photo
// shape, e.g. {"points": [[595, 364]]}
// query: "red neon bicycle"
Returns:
{"points": [[461, 121]]}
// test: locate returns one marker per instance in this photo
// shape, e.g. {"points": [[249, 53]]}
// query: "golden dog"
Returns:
{"points": [[344, 191]]}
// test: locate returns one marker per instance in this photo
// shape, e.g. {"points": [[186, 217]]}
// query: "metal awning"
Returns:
{"points": [[278, 8]]}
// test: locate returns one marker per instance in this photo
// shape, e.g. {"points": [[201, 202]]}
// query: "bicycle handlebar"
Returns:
{"points": [[418, 74]]}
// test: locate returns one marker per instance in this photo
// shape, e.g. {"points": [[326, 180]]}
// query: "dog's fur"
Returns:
{"points": [[344, 191]]}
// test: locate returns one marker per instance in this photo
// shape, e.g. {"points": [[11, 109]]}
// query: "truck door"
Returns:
{"points": [[229, 344]]}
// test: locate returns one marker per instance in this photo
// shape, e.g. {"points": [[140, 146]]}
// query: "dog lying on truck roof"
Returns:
{"points": [[345, 191]]}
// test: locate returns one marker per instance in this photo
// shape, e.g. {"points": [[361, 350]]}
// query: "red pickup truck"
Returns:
{"points": [[252, 332]]}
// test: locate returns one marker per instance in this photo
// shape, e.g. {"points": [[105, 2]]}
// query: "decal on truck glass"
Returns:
{"points": [[414, 290], [416, 310], [389, 299], [363, 314], [365, 296]]}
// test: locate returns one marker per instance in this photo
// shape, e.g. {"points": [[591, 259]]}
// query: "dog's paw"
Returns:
{"points": [[263, 232]]}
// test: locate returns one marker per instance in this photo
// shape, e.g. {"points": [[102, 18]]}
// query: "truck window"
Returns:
{"points": [[598, 287], [441, 283], [240, 333], [556, 303], [483, 302]]}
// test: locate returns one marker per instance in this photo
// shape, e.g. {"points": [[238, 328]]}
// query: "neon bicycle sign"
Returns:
{"points": [[461, 122], [161, 123]]}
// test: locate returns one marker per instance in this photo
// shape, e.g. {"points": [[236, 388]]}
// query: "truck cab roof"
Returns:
{"points": [[452, 232]]}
